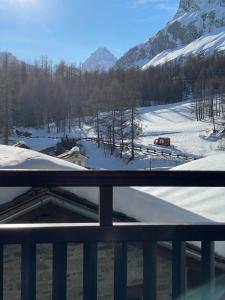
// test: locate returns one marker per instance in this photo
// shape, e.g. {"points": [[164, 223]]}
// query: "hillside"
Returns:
{"points": [[173, 120], [195, 24], [177, 121]]}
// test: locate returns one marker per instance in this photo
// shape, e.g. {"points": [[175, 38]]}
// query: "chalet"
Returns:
{"points": [[22, 144], [74, 156], [77, 204]]}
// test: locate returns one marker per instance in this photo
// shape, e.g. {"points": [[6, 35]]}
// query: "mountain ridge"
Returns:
{"points": [[193, 19]]}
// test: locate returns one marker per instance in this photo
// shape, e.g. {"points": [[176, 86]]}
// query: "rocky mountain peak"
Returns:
{"points": [[188, 5], [193, 20], [100, 60], [197, 5]]}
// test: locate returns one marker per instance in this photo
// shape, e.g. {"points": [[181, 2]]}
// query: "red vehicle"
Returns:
{"points": [[162, 141]]}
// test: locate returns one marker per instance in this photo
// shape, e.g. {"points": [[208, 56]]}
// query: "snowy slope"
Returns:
{"points": [[207, 45], [101, 60], [194, 19], [177, 122], [173, 120]]}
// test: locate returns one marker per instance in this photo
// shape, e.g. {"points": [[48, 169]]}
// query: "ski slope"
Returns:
{"points": [[177, 122]]}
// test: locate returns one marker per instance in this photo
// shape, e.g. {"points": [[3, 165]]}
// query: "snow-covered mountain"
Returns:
{"points": [[197, 28], [101, 60]]}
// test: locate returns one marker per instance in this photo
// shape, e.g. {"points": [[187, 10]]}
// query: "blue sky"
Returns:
{"points": [[72, 29]]}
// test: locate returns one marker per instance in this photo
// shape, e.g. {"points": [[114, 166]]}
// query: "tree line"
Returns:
{"points": [[40, 94]]}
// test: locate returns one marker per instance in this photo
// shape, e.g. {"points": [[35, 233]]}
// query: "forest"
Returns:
{"points": [[40, 94]]}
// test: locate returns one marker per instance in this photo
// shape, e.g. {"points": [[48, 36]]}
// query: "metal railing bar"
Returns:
{"points": [[118, 233], [107, 231], [90, 271], [150, 271], [106, 206], [1, 271], [46, 178], [178, 269], [28, 271], [59, 284], [120, 271], [208, 269]]}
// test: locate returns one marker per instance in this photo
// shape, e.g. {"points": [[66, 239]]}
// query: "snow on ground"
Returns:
{"points": [[207, 44], [177, 122], [172, 120], [42, 139], [101, 159]]}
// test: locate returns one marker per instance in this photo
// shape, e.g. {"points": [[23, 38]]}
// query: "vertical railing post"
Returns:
{"points": [[149, 271], [106, 206], [28, 271], [178, 269], [59, 285], [90, 271], [1, 271], [120, 271], [208, 270]]}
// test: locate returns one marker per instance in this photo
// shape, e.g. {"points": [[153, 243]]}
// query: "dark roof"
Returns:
{"points": [[37, 197]]}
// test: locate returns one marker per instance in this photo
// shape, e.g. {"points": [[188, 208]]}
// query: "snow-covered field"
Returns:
{"points": [[177, 122], [172, 120]]}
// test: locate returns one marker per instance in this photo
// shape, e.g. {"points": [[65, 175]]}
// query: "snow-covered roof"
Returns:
{"points": [[75, 151], [18, 158], [151, 204], [143, 203]]}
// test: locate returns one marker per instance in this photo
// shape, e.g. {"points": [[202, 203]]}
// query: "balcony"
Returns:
{"points": [[108, 231]]}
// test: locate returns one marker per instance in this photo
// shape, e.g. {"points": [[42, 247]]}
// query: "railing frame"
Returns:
{"points": [[108, 231]]}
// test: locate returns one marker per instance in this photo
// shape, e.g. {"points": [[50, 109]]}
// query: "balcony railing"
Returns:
{"points": [[106, 231]]}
